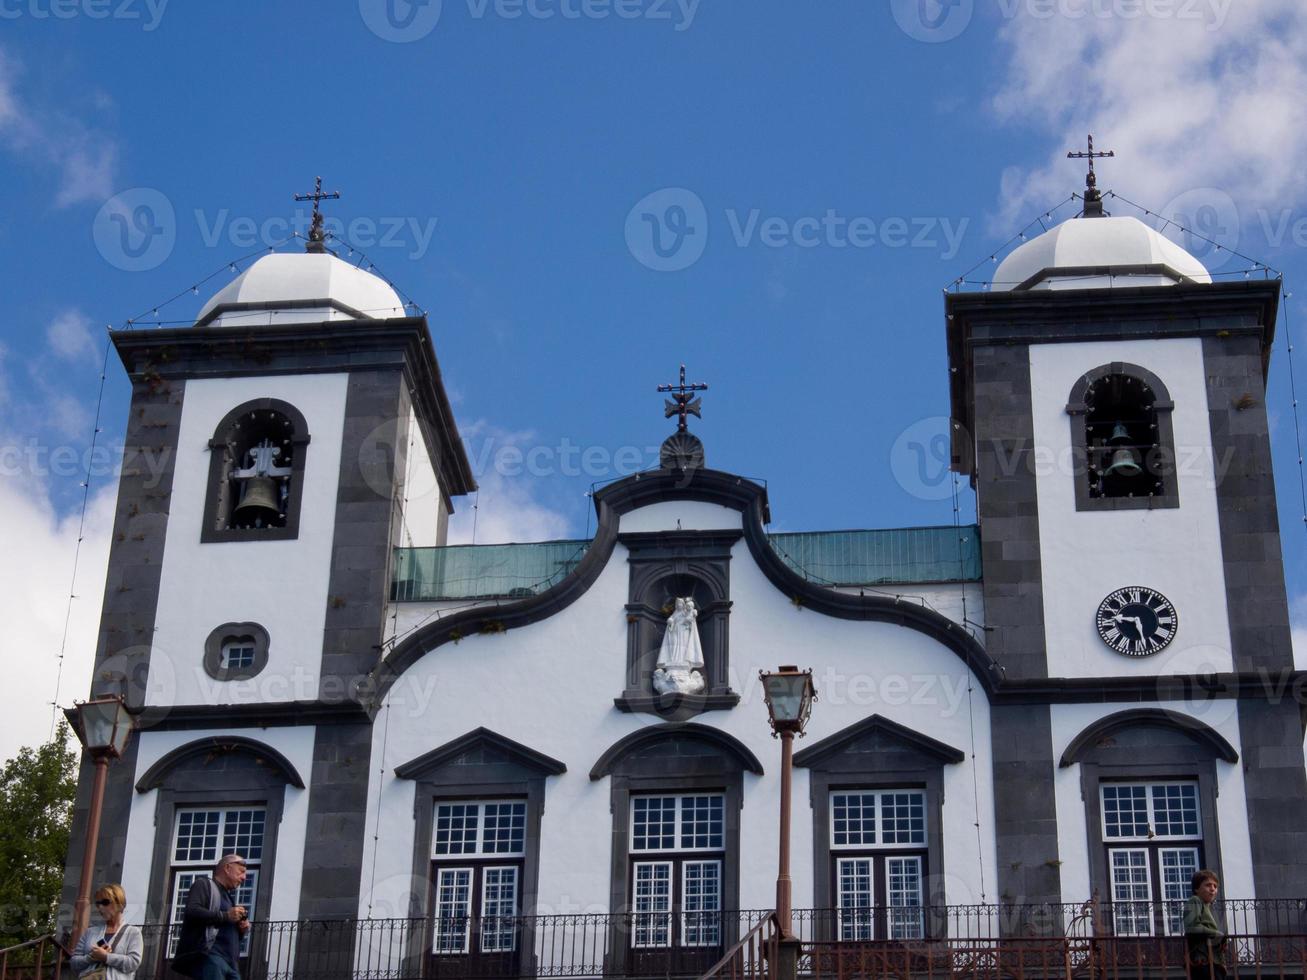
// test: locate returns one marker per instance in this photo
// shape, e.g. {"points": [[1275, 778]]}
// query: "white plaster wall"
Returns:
{"points": [[1088, 554], [682, 515], [280, 584], [424, 503], [296, 744], [551, 686], [1069, 720]]}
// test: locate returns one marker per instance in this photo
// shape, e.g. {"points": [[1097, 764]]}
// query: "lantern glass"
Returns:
{"points": [[787, 692], [105, 725]]}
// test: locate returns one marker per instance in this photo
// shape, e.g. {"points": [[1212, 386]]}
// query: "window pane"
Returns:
{"points": [[853, 817], [505, 828], [854, 898], [242, 833], [1125, 811], [1175, 810], [182, 882], [902, 818], [653, 823], [456, 828], [1178, 865], [701, 822], [651, 904], [903, 890], [1131, 891], [197, 836], [702, 901], [453, 904], [498, 910]]}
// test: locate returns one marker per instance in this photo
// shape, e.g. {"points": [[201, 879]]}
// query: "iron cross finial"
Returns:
{"points": [[1093, 199], [684, 402], [317, 238]]}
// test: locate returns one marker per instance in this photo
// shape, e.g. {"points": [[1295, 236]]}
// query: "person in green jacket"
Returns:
{"points": [[1203, 934]]}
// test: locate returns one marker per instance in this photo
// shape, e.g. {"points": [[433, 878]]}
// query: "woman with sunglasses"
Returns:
{"points": [[112, 950]]}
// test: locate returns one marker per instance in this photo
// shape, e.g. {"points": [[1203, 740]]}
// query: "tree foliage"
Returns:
{"points": [[36, 805]]}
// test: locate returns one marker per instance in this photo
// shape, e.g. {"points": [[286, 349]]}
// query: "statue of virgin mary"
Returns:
{"points": [[680, 660]]}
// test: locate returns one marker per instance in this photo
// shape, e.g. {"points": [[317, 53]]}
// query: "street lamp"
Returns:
{"points": [[789, 694], [103, 725]]}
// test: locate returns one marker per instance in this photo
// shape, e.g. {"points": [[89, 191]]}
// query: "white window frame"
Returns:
{"points": [[476, 863], [232, 645], [1152, 811], [855, 920], [704, 923], [651, 926], [480, 850], [188, 869], [879, 844], [678, 846]]}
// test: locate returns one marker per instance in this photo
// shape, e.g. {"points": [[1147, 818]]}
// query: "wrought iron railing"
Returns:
{"points": [[38, 959], [1023, 942]]}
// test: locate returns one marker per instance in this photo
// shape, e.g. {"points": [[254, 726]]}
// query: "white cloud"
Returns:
{"points": [[69, 336], [84, 157], [508, 507], [1210, 101], [34, 600]]}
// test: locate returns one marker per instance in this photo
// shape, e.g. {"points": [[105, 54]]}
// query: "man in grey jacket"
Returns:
{"points": [[212, 924]]}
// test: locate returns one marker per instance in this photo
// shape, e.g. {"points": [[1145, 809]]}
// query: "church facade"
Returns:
{"points": [[1089, 692]]}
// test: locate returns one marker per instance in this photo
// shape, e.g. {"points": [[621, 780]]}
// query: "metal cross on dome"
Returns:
{"points": [[316, 236], [685, 403], [1093, 199]]}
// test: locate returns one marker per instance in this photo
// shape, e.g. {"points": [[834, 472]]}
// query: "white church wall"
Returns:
{"points": [[296, 744], [551, 686], [424, 507], [959, 601], [1086, 555], [681, 515], [282, 585], [1069, 720]]}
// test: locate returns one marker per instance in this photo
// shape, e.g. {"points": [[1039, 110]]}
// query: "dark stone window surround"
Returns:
{"points": [[209, 532], [673, 758], [1162, 406], [653, 557], [247, 774], [480, 765], [877, 754], [1147, 746], [213, 651]]}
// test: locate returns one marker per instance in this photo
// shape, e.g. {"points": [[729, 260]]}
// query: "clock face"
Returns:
{"points": [[1136, 621]]}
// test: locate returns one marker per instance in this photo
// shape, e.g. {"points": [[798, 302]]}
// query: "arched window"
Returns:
{"points": [[1121, 435], [256, 473]]}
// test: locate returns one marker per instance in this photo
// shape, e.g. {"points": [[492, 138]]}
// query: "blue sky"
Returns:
{"points": [[840, 163]]}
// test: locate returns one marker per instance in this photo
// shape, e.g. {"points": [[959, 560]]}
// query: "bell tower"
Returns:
{"points": [[250, 571], [1108, 406]]}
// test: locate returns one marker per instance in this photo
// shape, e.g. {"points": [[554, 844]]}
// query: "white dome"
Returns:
{"points": [[1096, 253], [300, 287]]}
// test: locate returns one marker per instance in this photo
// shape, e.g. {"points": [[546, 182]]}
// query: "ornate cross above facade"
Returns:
{"points": [[317, 239], [684, 402], [1093, 199]]}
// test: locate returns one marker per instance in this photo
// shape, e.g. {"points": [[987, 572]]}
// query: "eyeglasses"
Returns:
{"points": [[104, 901]]}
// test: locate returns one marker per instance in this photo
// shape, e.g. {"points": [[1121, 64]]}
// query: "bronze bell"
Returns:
{"points": [[1125, 461], [260, 502]]}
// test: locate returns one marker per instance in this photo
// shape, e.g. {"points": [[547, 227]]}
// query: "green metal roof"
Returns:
{"points": [[910, 556]]}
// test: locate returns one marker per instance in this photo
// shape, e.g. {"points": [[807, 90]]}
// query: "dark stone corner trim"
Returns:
{"points": [[727, 744], [1201, 734], [524, 756], [156, 775]]}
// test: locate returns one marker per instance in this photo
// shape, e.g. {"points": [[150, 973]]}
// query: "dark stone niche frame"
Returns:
{"points": [[666, 565], [216, 504], [235, 631], [1164, 445], [1147, 745]]}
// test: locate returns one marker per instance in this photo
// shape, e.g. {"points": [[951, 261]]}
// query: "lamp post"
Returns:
{"points": [[103, 727], [789, 694]]}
